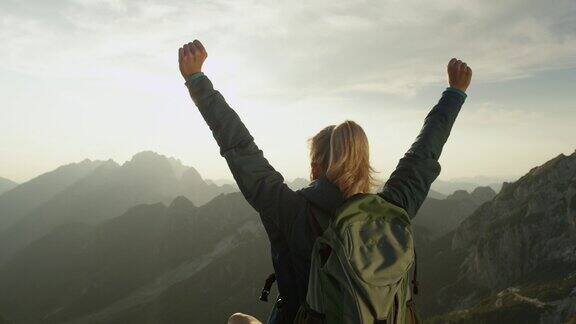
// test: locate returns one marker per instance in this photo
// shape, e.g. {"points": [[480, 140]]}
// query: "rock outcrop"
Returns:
{"points": [[529, 227], [514, 258]]}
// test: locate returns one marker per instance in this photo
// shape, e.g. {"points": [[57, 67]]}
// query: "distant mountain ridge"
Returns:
{"points": [[469, 183], [6, 185], [95, 191], [24, 198], [440, 216]]}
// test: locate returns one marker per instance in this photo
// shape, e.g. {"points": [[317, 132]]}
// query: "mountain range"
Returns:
{"points": [[137, 261], [93, 191], [150, 241], [469, 183]]}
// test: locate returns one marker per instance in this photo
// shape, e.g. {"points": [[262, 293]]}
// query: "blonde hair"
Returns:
{"points": [[349, 166], [320, 148]]}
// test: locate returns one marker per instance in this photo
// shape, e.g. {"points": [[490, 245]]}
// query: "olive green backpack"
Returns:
{"points": [[360, 266]]}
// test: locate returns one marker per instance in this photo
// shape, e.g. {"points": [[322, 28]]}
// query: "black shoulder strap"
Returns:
{"points": [[267, 286], [415, 277]]}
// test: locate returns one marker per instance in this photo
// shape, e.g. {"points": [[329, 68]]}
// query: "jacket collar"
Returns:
{"points": [[324, 194]]}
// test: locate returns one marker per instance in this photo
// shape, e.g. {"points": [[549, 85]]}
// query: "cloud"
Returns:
{"points": [[493, 114], [311, 48]]}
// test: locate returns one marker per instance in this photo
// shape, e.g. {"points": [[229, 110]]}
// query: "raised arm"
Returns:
{"points": [[410, 182], [262, 186]]}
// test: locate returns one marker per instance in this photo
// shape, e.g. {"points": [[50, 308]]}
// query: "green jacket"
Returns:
{"points": [[285, 213]]}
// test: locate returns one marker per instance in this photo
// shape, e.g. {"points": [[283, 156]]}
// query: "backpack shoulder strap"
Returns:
{"points": [[267, 287], [415, 283]]}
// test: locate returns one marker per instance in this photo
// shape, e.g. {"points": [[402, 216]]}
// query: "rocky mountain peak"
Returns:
{"points": [[483, 194], [181, 203], [147, 157], [298, 183], [529, 225], [192, 177], [178, 167], [151, 164], [459, 195]]}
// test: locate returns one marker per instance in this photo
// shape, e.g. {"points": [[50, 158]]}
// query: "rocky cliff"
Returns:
{"points": [[529, 227], [514, 257]]}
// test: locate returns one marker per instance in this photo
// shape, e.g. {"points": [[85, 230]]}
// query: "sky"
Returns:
{"points": [[99, 79]]}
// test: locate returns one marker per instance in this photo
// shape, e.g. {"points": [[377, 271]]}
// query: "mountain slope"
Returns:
{"points": [[6, 184], [21, 200], [436, 195], [439, 216], [521, 243], [134, 260], [538, 208], [226, 280]]}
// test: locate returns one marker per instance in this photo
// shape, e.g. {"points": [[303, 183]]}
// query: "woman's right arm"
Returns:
{"points": [[410, 182], [262, 186]]}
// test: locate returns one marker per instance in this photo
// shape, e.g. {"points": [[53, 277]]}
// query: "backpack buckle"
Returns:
{"points": [[267, 286], [264, 295]]}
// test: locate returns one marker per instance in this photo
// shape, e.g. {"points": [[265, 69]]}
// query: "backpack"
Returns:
{"points": [[360, 266]]}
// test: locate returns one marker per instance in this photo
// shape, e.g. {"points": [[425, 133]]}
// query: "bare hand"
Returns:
{"points": [[459, 74], [191, 56]]}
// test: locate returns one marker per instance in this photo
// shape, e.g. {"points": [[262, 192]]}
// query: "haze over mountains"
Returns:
{"points": [[92, 191], [469, 184], [453, 208], [20, 201], [151, 241], [138, 259]]}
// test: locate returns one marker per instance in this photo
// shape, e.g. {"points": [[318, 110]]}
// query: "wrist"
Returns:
{"points": [[459, 91], [193, 76], [456, 85]]}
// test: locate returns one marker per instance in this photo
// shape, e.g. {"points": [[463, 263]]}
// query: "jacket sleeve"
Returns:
{"points": [[262, 186], [410, 182]]}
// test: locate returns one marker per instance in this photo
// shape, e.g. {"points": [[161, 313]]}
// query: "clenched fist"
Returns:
{"points": [[191, 56], [459, 74]]}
